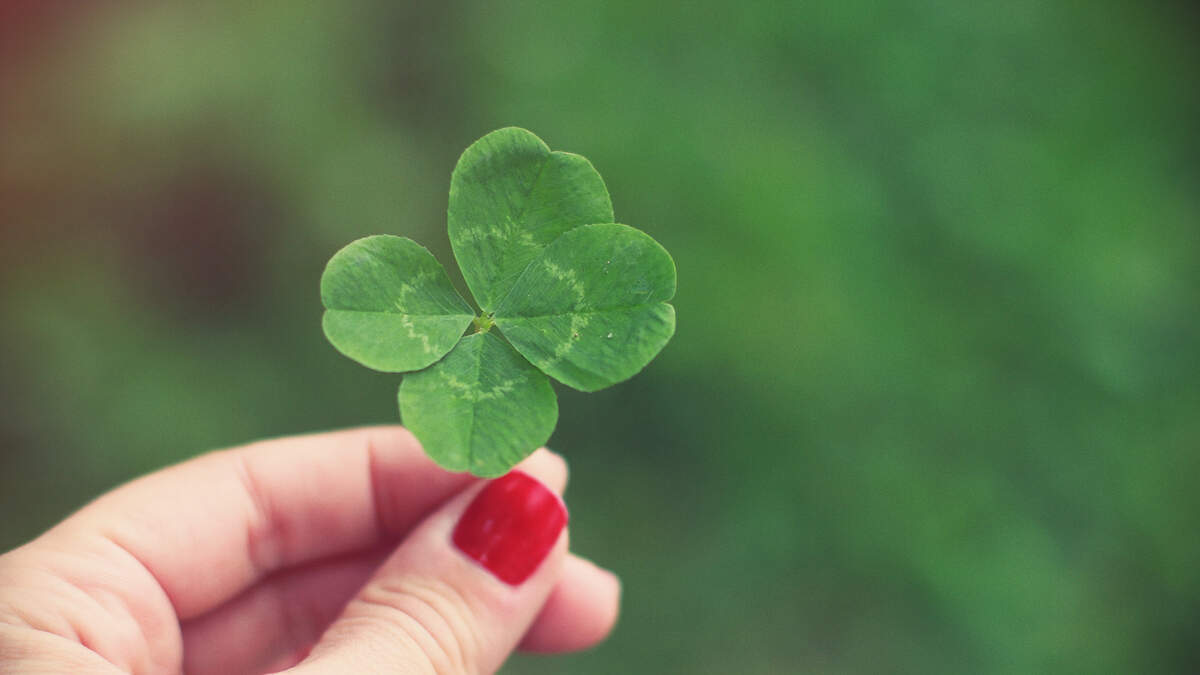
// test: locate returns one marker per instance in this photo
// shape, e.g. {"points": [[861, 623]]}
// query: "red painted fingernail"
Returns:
{"points": [[511, 526]]}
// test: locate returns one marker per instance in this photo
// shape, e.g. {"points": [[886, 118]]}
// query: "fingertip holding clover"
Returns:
{"points": [[562, 292]]}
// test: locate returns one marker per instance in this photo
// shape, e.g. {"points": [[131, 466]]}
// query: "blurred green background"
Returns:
{"points": [[934, 400]]}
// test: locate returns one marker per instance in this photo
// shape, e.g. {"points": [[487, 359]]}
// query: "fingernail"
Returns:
{"points": [[511, 526]]}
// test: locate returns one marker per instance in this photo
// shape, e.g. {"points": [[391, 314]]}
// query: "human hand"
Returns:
{"points": [[344, 552]]}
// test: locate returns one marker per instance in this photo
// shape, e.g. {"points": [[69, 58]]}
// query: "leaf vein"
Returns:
{"points": [[589, 312]]}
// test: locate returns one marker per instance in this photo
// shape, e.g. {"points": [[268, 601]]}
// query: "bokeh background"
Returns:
{"points": [[934, 401]]}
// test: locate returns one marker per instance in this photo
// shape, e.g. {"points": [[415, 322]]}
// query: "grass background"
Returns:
{"points": [[932, 404]]}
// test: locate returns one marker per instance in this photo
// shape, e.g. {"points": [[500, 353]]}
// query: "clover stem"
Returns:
{"points": [[483, 323]]}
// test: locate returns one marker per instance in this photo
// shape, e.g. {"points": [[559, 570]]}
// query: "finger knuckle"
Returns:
{"points": [[432, 614]]}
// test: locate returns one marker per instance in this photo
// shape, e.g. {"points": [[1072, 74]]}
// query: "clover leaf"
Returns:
{"points": [[563, 292], [390, 306]]}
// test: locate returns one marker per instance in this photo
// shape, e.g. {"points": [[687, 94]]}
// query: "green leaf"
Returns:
{"points": [[510, 196], [564, 292], [591, 310], [481, 409], [390, 306]]}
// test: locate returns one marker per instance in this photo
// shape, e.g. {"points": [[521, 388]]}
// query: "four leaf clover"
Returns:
{"points": [[562, 291]]}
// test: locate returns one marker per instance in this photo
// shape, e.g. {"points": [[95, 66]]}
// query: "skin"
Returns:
{"points": [[314, 554]]}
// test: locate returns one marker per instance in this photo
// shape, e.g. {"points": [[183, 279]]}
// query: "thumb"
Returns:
{"points": [[460, 591]]}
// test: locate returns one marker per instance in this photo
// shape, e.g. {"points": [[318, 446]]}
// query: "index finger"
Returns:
{"points": [[209, 527]]}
